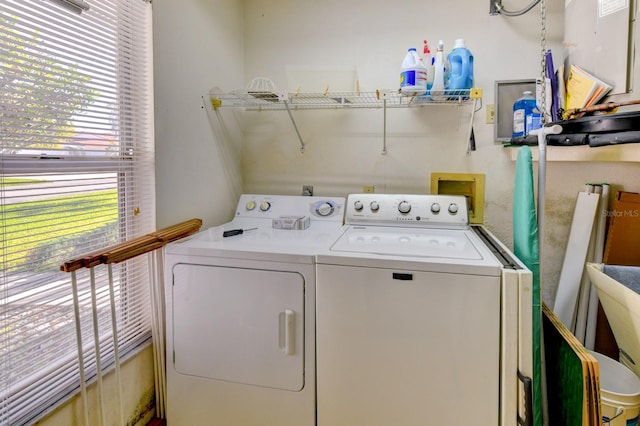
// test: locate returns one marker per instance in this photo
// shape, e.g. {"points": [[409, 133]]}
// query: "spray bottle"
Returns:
{"points": [[439, 69], [427, 60]]}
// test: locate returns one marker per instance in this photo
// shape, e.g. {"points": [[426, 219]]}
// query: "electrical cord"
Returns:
{"points": [[502, 11]]}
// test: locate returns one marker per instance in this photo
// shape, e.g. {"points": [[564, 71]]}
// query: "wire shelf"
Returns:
{"points": [[258, 101], [269, 99]]}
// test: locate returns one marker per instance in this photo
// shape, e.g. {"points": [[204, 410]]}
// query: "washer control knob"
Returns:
{"points": [[358, 205], [324, 208], [251, 205], [453, 208], [374, 206], [404, 207], [435, 208], [265, 206]]}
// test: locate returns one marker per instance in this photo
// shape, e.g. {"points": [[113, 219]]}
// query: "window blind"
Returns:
{"points": [[76, 176]]}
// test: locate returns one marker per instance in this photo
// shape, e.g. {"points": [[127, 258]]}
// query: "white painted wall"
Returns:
{"points": [[204, 43], [198, 44]]}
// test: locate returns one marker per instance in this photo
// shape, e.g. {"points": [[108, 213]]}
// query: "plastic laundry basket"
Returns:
{"points": [[619, 393]]}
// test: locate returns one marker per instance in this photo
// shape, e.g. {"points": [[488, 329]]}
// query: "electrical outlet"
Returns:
{"points": [[368, 188], [491, 113], [307, 190]]}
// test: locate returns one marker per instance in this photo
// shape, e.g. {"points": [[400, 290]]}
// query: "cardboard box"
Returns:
{"points": [[623, 238]]}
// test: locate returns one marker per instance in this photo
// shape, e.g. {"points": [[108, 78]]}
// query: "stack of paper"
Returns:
{"points": [[583, 89]]}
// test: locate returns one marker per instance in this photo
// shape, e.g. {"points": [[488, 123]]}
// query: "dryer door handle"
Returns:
{"points": [[289, 332]]}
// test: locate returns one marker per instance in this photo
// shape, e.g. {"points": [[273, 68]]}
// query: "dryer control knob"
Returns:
{"points": [[251, 205], [358, 205], [453, 208], [324, 208], [435, 208], [265, 206], [374, 206], [404, 207]]}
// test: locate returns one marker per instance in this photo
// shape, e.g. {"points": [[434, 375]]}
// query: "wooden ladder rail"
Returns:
{"points": [[135, 247], [108, 256]]}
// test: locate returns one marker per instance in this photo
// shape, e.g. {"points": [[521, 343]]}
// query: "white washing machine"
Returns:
{"points": [[240, 314], [421, 319]]}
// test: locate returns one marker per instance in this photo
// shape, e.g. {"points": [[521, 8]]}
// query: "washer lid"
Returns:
{"points": [[413, 242], [424, 249]]}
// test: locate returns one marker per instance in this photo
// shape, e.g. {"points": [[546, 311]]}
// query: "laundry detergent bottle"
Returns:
{"points": [[526, 116], [460, 68], [413, 74]]}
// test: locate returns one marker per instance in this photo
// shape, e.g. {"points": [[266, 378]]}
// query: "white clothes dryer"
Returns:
{"points": [[240, 314], [421, 319]]}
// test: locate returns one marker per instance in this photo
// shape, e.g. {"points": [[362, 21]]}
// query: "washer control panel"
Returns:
{"points": [[437, 211], [275, 206]]}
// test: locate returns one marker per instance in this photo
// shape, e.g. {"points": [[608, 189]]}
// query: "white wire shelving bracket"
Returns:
{"points": [[380, 99]]}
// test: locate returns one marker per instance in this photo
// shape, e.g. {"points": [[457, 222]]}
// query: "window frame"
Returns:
{"points": [[125, 165]]}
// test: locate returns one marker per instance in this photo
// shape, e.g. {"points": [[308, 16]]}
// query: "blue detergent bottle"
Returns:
{"points": [[526, 115], [460, 68]]}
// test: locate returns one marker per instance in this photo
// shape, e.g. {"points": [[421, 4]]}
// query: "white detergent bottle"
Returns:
{"points": [[439, 70], [413, 75]]}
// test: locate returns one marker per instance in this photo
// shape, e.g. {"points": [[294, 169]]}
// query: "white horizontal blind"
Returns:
{"points": [[76, 176]]}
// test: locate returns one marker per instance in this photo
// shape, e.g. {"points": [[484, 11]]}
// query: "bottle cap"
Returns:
{"points": [[412, 49], [527, 92], [459, 43]]}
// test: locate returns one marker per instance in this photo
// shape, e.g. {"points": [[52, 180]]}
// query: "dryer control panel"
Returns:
{"points": [[427, 211], [278, 206]]}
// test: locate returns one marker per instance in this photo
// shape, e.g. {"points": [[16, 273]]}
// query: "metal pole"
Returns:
{"points": [[295, 126], [76, 312], [384, 126], [542, 175], [116, 351], [96, 340]]}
